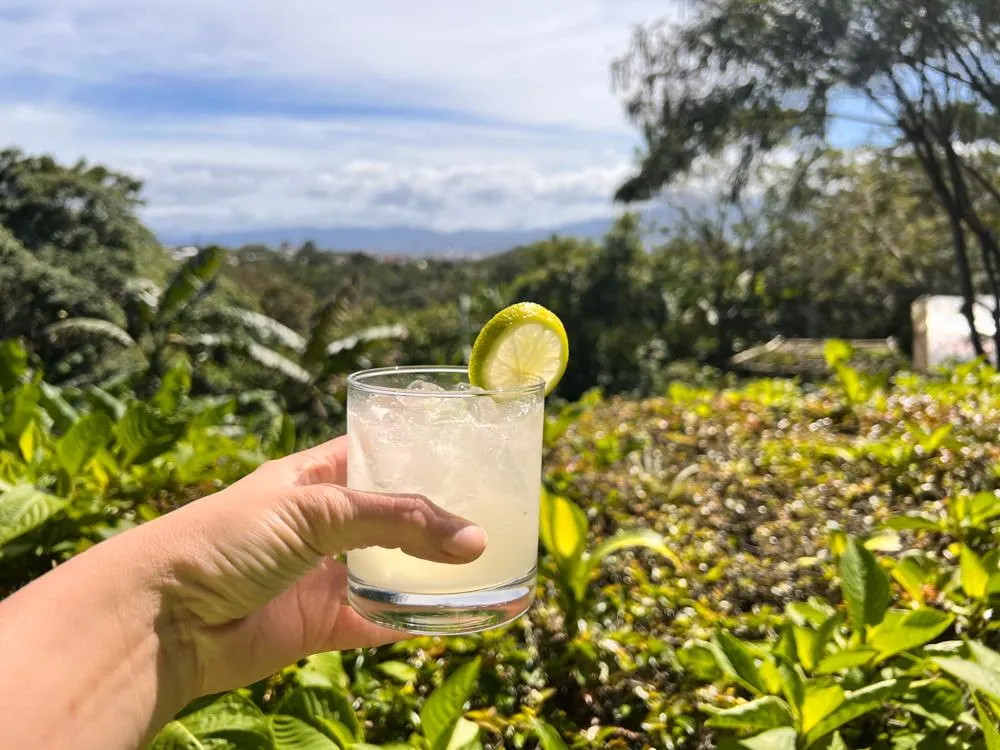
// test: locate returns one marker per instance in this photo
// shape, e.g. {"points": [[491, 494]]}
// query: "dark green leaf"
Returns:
{"points": [[445, 706], [83, 440], [189, 282], [13, 365], [23, 508], [900, 632], [989, 725], [174, 386], [857, 703], [314, 696], [736, 660], [293, 734], [865, 586], [142, 434]]}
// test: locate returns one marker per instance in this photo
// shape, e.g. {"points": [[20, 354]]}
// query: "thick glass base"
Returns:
{"points": [[443, 614]]}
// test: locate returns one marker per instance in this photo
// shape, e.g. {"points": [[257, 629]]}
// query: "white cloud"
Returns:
{"points": [[552, 146]]}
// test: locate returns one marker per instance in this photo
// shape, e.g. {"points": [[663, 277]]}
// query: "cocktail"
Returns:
{"points": [[474, 447]]}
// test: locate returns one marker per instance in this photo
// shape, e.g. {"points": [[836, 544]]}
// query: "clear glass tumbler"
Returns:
{"points": [[475, 453]]}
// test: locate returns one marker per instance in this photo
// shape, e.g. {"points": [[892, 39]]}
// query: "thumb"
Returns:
{"points": [[337, 519]]}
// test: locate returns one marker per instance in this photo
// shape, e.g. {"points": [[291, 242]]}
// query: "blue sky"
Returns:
{"points": [[263, 113]]}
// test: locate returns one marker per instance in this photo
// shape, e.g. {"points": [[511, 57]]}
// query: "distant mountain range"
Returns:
{"points": [[394, 240]]}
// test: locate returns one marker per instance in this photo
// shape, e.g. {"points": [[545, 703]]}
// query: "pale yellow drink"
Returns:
{"points": [[474, 454]]}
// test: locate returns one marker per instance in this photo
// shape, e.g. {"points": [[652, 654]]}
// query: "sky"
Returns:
{"points": [[443, 114]]}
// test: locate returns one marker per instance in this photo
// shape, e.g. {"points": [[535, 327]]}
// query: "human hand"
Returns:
{"points": [[253, 586]]}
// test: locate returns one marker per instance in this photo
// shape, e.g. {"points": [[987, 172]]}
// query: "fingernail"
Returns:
{"points": [[467, 542]]}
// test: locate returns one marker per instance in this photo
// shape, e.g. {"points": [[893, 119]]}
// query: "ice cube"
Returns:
{"points": [[485, 409], [423, 385], [468, 388]]}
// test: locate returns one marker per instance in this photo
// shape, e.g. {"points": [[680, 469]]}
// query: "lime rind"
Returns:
{"points": [[519, 344]]}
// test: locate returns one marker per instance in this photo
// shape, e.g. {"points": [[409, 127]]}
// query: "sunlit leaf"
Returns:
{"points": [[865, 586], [24, 508], [763, 713], [444, 707]]}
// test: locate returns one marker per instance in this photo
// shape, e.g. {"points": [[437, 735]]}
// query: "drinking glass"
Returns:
{"points": [[475, 453]]}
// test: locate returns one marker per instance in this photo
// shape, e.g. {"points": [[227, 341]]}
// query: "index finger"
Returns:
{"points": [[322, 464]]}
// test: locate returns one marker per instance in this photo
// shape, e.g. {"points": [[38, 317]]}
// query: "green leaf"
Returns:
{"points": [[901, 632], [231, 718], [792, 684], [105, 402], [837, 352], [13, 364], [265, 329], [988, 724], [939, 700], [846, 659], [344, 353], [981, 508], [86, 329], [189, 283], [975, 577], [563, 530], [823, 636], [329, 664], [175, 385], [82, 441], [736, 660], [865, 586], [29, 441], [646, 538], [19, 410], [143, 435], [781, 738], [398, 670], [463, 736], [913, 571], [51, 399], [23, 508], [548, 736], [973, 674], [324, 327], [913, 523], [984, 657], [294, 734], [445, 706], [820, 701], [698, 660], [855, 704], [764, 713], [175, 736], [314, 696]]}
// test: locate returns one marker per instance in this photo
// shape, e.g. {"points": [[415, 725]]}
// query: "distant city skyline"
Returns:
{"points": [[440, 115]]}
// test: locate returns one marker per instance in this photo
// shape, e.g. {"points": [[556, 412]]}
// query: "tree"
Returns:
{"points": [[750, 76]]}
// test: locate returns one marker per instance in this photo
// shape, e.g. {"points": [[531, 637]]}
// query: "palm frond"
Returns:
{"points": [[88, 328], [265, 328]]}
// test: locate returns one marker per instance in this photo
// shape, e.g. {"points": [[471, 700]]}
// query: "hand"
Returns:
{"points": [[105, 649], [255, 585]]}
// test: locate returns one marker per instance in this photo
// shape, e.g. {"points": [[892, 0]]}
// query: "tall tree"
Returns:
{"points": [[750, 76]]}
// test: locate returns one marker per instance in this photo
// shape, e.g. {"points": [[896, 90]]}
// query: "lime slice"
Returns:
{"points": [[520, 343]]}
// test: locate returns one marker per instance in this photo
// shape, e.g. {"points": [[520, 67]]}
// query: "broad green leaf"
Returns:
{"points": [[792, 685], [698, 660], [886, 542], [335, 730], [463, 736], [175, 385], [985, 657], [142, 435], [900, 632], [445, 706], [846, 659], [329, 664], [344, 353], [291, 733], [975, 577], [51, 399], [973, 674], [913, 522], [940, 700], [175, 736], [19, 410], [989, 725], [820, 701], [781, 738], [398, 670], [770, 675], [563, 530], [330, 317], [736, 660], [764, 713], [23, 508], [855, 704], [809, 613], [265, 329], [982, 507], [83, 440], [805, 646], [865, 586], [314, 696], [646, 538], [85, 329], [189, 283], [228, 714], [823, 636], [548, 737]]}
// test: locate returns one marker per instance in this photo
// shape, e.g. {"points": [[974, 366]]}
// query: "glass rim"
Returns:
{"points": [[357, 381]]}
